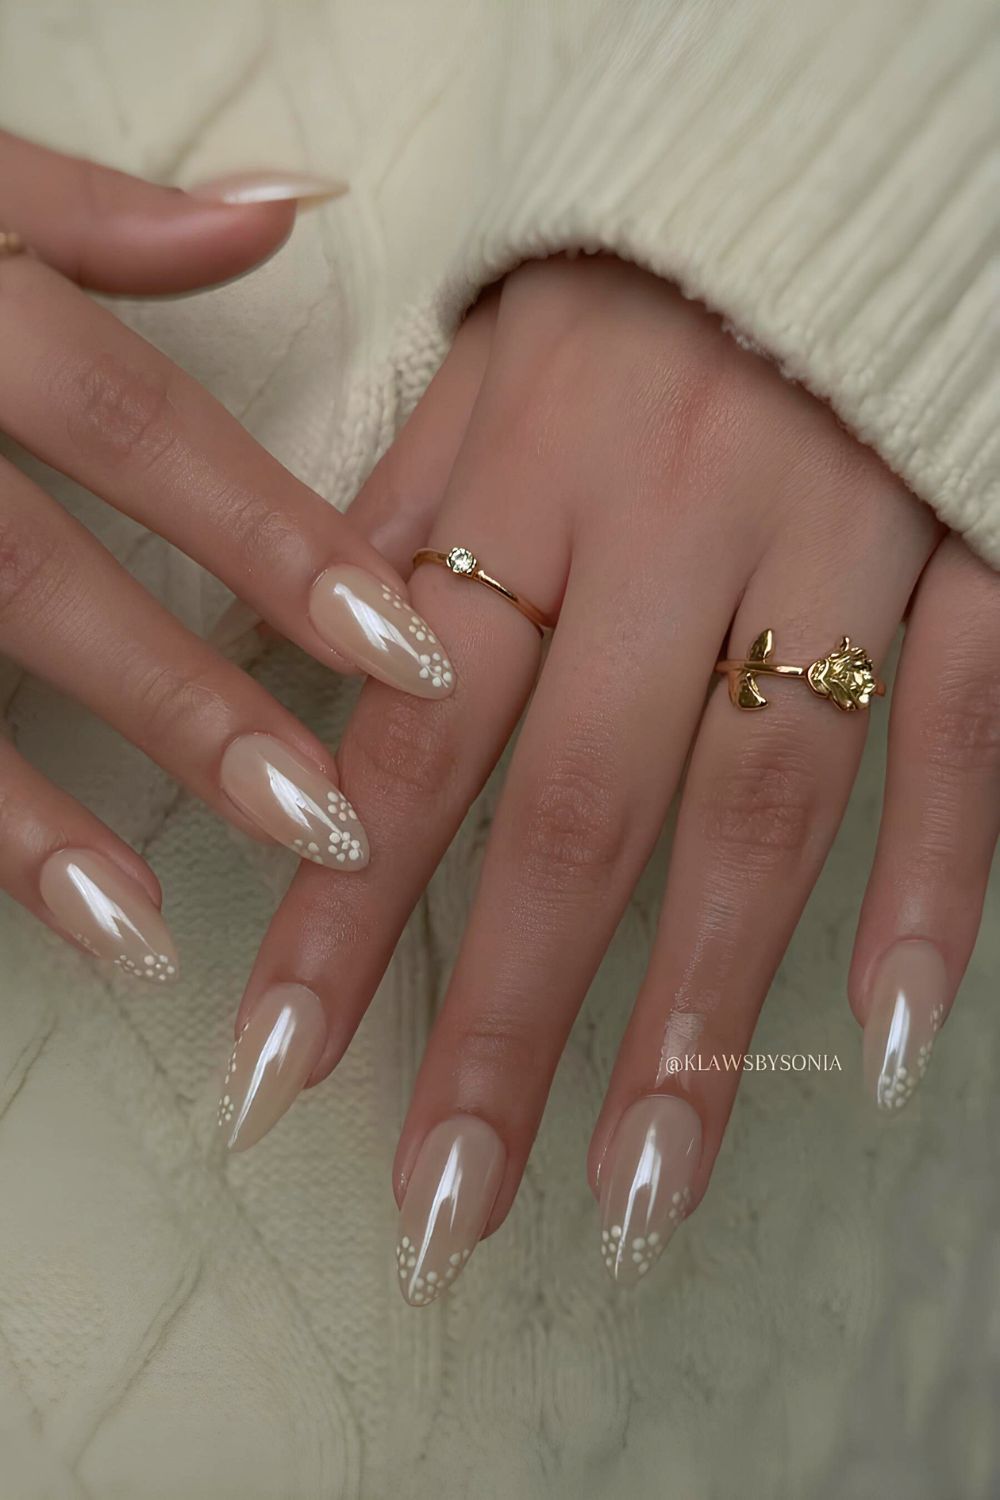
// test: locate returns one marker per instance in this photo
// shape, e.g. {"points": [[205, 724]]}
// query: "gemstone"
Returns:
{"points": [[461, 560]]}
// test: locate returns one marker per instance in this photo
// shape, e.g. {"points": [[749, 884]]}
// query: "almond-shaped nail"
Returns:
{"points": [[275, 1053], [646, 1183], [372, 625], [108, 913], [269, 187], [293, 802], [909, 997], [448, 1200]]}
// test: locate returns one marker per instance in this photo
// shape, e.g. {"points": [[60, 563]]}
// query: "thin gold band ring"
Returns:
{"points": [[465, 564], [846, 676]]}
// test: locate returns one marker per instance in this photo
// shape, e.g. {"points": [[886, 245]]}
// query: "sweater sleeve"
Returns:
{"points": [[824, 176]]}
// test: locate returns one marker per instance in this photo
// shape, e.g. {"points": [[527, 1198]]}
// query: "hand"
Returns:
{"points": [[90, 398], [606, 448]]}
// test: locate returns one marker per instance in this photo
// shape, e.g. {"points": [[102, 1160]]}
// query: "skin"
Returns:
{"points": [[605, 447], [91, 398], [610, 451]]}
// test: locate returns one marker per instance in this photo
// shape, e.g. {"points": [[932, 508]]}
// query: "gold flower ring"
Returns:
{"points": [[846, 676]]}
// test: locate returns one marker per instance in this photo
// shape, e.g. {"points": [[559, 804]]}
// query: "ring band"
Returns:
{"points": [[465, 564], [846, 676]]}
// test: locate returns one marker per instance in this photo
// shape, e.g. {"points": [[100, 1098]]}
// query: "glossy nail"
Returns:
{"points": [[646, 1182], [909, 995], [269, 187], [448, 1200], [270, 1065], [293, 802], [108, 913], [364, 618]]}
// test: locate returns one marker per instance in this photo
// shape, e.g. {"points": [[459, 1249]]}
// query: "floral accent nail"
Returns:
{"points": [[293, 802], [109, 914], [371, 623], [448, 1200], [646, 1183], [271, 1062], [909, 995]]}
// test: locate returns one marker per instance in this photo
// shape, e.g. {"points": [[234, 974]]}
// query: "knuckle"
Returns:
{"points": [[257, 527], [499, 1043], [173, 708], [570, 827], [402, 749], [960, 727], [119, 415], [30, 574], [764, 810]]}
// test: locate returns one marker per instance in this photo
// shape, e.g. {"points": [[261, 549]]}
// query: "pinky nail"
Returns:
{"points": [[270, 1065], [646, 1183], [269, 187], [108, 913], [448, 1201], [293, 802], [909, 996]]}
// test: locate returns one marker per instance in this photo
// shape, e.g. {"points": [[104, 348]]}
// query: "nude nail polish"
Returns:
{"points": [[293, 802], [269, 187], [646, 1181], [372, 625], [108, 913], [448, 1201], [276, 1051], [909, 997]]}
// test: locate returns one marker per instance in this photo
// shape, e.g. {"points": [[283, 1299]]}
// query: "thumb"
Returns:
{"points": [[116, 233]]}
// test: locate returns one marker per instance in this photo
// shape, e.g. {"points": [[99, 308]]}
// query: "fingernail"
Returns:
{"points": [[269, 187], [909, 995], [108, 913], [293, 802], [271, 1062], [448, 1201], [371, 624], [646, 1183]]}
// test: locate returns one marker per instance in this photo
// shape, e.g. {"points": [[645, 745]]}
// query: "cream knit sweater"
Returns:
{"points": [[176, 1325]]}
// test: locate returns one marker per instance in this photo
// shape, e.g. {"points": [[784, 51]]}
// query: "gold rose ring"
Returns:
{"points": [[465, 564], [846, 676]]}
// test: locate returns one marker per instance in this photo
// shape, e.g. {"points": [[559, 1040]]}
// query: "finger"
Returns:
{"points": [[396, 506], [420, 765], [73, 874], [583, 805], [95, 401], [939, 823], [762, 800], [69, 613], [116, 233]]}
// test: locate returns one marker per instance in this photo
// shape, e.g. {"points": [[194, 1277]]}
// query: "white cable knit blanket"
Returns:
{"points": [[174, 1324]]}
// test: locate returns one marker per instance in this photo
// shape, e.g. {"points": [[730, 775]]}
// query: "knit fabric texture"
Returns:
{"points": [[175, 1323]]}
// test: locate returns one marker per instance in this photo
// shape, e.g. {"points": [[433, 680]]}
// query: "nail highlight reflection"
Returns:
{"points": [[271, 1061], [646, 1183], [448, 1200], [293, 802], [374, 626], [108, 914], [268, 187], [909, 997]]}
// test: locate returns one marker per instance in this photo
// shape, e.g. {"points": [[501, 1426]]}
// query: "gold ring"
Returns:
{"points": [[465, 564], [846, 676]]}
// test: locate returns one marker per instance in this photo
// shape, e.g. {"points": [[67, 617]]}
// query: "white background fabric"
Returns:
{"points": [[172, 1323]]}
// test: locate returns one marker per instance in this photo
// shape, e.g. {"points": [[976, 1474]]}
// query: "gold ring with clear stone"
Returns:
{"points": [[465, 564]]}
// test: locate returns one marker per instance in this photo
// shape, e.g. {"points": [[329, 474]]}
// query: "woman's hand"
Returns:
{"points": [[90, 398], [607, 450]]}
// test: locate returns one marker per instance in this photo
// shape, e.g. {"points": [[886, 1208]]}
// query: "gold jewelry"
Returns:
{"points": [[465, 564], [846, 676]]}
